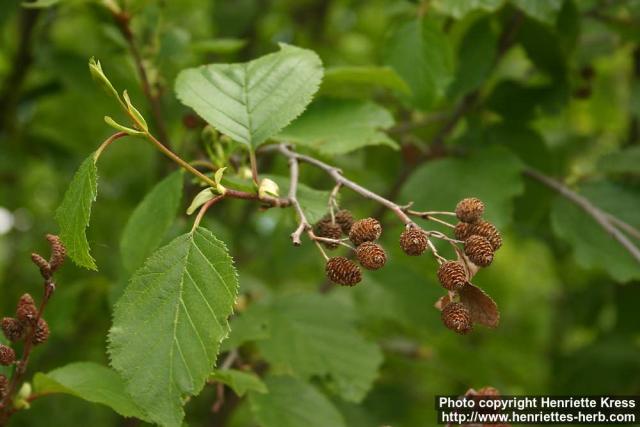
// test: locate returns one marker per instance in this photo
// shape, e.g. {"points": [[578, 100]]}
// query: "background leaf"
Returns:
{"points": [[543, 10], [253, 101], [75, 211], [421, 54], [592, 246], [293, 403], [333, 126], [360, 82], [314, 336], [492, 175], [241, 382], [91, 382], [168, 325], [150, 221], [460, 8]]}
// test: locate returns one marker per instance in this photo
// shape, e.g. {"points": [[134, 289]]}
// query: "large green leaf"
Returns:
{"points": [[543, 10], [493, 175], [421, 53], [360, 82], [253, 101], [168, 324], [74, 213], [314, 203], [293, 403], [91, 382], [241, 382], [476, 57], [334, 126], [150, 221], [459, 8], [314, 336], [593, 247]]}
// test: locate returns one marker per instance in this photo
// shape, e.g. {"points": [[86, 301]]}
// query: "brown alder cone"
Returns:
{"points": [[452, 275], [371, 255], [469, 209], [325, 228], [12, 329], [479, 250], [343, 271], [462, 230], [413, 241], [488, 231], [7, 355], [41, 333], [58, 252], [489, 392], [365, 230], [345, 219], [456, 317], [26, 311]]}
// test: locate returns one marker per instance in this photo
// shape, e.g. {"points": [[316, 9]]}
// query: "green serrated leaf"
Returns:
{"points": [[421, 54], [298, 340], [361, 82], [74, 213], [493, 175], [39, 4], [241, 382], [624, 161], [253, 101], [168, 324], [314, 203], [593, 247], [334, 126], [150, 221], [293, 403], [91, 382]]}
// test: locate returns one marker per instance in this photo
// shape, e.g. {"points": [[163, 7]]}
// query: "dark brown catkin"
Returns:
{"points": [[462, 230], [43, 264], [4, 384], [452, 275], [12, 329], [41, 334], [413, 241], [365, 230], [7, 355], [343, 271], [330, 230], [345, 219], [456, 317], [479, 250], [488, 231], [26, 311], [371, 255], [469, 209], [58, 252]]}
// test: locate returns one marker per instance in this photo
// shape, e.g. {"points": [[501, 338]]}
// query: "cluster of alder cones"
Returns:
{"points": [[363, 234], [28, 326], [466, 304]]}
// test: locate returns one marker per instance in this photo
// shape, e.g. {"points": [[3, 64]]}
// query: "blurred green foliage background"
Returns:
{"points": [[552, 84]]}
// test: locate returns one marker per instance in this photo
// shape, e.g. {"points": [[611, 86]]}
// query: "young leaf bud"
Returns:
{"points": [[58, 252]]}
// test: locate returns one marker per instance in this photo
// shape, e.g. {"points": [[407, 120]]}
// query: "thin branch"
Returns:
{"points": [[601, 217], [628, 228], [337, 176], [303, 223], [123, 20]]}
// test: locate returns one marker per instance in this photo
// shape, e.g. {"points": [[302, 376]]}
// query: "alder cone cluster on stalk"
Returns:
{"points": [[456, 317], [343, 271], [413, 241]]}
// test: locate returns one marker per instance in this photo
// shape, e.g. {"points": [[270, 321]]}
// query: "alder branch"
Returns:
{"points": [[601, 217], [123, 19], [303, 223], [337, 176]]}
